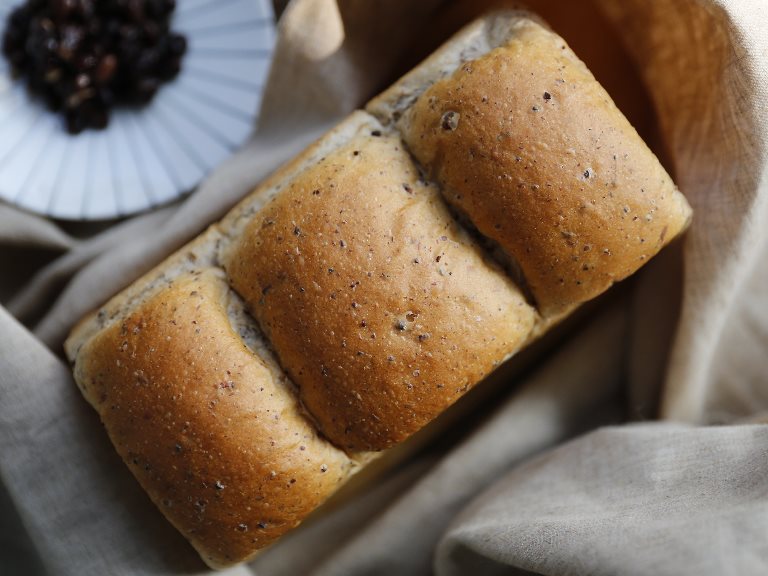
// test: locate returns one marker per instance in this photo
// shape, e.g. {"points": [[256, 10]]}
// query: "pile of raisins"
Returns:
{"points": [[85, 56]]}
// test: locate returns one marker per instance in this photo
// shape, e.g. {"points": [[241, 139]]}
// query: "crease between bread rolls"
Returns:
{"points": [[342, 306]]}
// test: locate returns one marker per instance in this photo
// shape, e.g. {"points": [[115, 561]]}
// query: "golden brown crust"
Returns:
{"points": [[379, 307], [211, 431], [202, 252], [197, 254], [378, 303], [531, 148]]}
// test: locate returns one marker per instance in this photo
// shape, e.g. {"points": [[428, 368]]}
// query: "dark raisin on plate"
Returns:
{"points": [[82, 57]]}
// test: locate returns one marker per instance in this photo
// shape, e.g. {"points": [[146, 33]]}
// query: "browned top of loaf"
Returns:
{"points": [[379, 307], [532, 149], [211, 433]]}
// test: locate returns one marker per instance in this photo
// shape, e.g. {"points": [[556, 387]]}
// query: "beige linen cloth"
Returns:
{"points": [[631, 444]]}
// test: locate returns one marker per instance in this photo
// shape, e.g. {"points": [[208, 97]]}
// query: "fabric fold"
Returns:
{"points": [[646, 499]]}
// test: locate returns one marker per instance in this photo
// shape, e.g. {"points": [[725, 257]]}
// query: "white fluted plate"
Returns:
{"points": [[150, 156]]}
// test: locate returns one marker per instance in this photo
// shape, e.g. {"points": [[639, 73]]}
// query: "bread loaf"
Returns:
{"points": [[369, 283]]}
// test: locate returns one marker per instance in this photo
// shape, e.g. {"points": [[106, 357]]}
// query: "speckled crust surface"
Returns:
{"points": [[381, 308], [212, 431], [533, 151], [342, 306]]}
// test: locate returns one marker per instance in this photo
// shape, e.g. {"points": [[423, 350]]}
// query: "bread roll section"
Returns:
{"points": [[379, 306], [527, 145], [212, 431]]}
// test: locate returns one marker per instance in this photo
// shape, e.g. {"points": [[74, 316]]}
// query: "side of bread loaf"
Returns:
{"points": [[211, 429], [350, 299]]}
